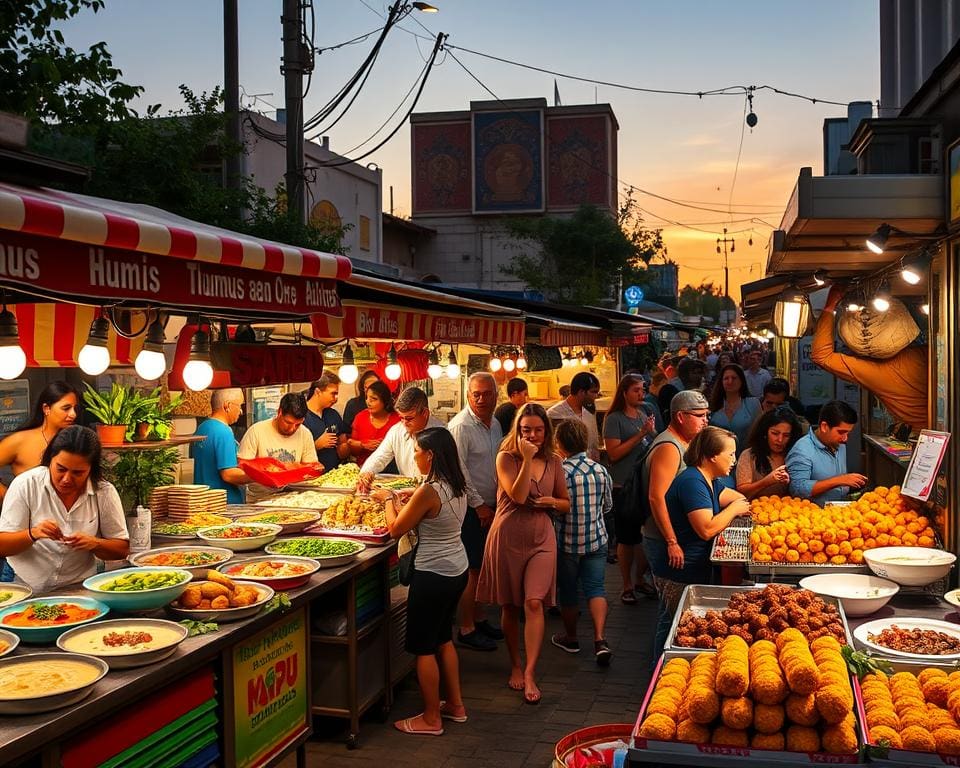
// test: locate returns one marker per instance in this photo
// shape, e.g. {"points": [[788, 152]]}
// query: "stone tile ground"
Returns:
{"points": [[502, 731]]}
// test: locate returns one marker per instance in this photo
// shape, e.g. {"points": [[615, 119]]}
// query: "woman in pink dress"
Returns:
{"points": [[520, 559], [371, 425]]}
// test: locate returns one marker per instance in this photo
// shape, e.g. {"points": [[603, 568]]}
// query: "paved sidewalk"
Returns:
{"points": [[502, 731]]}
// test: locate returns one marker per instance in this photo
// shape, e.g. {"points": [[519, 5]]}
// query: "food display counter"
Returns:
{"points": [[259, 723], [886, 459]]}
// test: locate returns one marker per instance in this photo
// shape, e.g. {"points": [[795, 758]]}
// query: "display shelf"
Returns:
{"points": [[362, 632], [147, 445]]}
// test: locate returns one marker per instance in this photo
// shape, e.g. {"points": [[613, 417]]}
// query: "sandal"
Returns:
{"points": [[406, 726], [627, 597], [646, 589], [448, 713]]}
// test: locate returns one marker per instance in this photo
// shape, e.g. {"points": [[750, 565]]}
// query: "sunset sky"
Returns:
{"points": [[680, 147]]}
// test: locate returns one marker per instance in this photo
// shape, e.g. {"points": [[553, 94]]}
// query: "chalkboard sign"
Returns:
{"points": [[14, 404]]}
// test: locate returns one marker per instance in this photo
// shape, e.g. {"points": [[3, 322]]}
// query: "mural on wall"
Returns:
{"points": [[441, 168], [578, 161], [508, 161]]}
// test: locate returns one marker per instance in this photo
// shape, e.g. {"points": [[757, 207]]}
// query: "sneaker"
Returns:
{"points": [[602, 652], [486, 628], [475, 641], [564, 644]]}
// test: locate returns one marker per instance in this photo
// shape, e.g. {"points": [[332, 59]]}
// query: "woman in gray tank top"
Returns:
{"points": [[436, 510]]}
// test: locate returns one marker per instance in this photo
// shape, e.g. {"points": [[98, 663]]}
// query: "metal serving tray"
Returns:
{"points": [[731, 545], [680, 753], [701, 598]]}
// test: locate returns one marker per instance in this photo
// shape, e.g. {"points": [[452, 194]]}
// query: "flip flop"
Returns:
{"points": [[406, 726], [448, 714], [627, 597]]}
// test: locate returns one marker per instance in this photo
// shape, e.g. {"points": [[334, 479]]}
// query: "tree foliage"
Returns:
{"points": [[44, 79], [705, 299]]}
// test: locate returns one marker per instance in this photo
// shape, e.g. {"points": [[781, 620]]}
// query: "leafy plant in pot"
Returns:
{"points": [[136, 473], [114, 411], [154, 418]]}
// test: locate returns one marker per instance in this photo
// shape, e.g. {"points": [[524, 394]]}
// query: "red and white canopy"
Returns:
{"points": [[126, 226]]}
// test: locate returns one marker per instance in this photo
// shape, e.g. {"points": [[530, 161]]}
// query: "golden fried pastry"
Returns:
{"points": [[947, 740], [665, 705], [802, 739], [659, 727], [939, 718], [703, 705], [903, 677], [883, 716], [211, 589], [672, 680], [826, 642], [936, 689], [768, 718], [883, 735], [730, 737], [204, 604], [929, 673], [244, 596], [191, 596], [737, 713], [220, 602], [914, 717], [678, 664], [790, 635], [840, 738], [918, 738], [834, 703], [906, 703], [802, 710], [693, 733], [767, 741], [221, 578]]}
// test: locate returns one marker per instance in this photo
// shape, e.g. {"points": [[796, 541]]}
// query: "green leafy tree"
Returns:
{"points": [[705, 299], [44, 79]]}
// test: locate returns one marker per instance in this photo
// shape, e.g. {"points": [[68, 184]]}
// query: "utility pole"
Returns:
{"points": [[726, 267], [295, 62], [231, 91]]}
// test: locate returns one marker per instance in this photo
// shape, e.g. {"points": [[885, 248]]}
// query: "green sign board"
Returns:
{"points": [[270, 705]]}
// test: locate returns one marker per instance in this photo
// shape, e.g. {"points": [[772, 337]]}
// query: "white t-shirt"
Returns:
{"points": [[263, 441], [562, 410], [49, 564]]}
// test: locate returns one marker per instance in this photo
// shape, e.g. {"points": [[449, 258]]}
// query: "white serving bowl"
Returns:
{"points": [[858, 593], [910, 566], [240, 544]]}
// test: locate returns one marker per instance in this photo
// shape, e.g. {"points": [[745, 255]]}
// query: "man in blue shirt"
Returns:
{"points": [[817, 463], [215, 458], [324, 423]]}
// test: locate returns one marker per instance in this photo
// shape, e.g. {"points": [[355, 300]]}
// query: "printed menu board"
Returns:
{"points": [[925, 464]]}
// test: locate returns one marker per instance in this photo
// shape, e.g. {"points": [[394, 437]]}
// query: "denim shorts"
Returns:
{"points": [[588, 569]]}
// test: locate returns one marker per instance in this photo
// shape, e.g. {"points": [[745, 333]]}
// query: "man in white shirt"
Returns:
{"points": [[413, 409], [584, 390], [478, 436], [757, 377], [283, 438]]}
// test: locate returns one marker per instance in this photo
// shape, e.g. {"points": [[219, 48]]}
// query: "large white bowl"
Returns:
{"points": [[910, 566], [71, 694], [858, 593], [240, 544], [199, 571], [124, 657]]}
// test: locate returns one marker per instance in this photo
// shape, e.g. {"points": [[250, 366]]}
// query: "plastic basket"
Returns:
{"points": [[276, 474]]}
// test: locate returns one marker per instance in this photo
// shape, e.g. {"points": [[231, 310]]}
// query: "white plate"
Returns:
{"points": [[907, 622], [18, 592], [953, 597]]}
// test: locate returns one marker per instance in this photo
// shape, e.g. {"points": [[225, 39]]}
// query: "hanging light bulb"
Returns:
{"points": [[94, 357], [583, 358], [877, 242], [508, 364], [393, 370], [925, 308], [434, 371], [150, 363], [521, 361], [820, 278], [791, 313], [881, 302], [12, 358], [453, 368], [348, 371], [911, 272], [852, 306], [495, 363], [198, 372]]}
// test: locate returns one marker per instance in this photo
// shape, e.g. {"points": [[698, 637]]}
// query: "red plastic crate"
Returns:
{"points": [[281, 474]]}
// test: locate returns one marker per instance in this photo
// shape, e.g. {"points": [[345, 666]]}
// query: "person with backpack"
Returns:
{"points": [[627, 431]]}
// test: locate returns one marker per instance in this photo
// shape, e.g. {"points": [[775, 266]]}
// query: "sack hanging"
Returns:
{"points": [[879, 335]]}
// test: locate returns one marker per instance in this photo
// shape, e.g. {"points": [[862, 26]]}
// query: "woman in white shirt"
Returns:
{"points": [[60, 517]]}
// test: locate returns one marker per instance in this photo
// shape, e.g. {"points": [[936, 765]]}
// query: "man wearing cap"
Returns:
{"points": [[689, 412]]}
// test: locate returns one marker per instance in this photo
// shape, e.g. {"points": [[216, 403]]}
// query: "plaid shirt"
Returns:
{"points": [[590, 489]]}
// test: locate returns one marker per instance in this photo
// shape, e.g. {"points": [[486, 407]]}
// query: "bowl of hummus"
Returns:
{"points": [[125, 643]]}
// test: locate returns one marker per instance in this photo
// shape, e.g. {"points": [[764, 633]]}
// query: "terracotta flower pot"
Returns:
{"points": [[111, 434], [143, 430]]}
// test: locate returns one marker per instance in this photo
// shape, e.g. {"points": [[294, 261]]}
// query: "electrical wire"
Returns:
{"points": [[736, 167], [351, 41]]}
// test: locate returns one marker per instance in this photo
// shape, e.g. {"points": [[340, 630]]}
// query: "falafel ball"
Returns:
{"points": [[801, 738]]}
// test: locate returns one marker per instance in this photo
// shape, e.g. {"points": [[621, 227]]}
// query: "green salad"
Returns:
{"points": [[138, 582], [314, 547]]}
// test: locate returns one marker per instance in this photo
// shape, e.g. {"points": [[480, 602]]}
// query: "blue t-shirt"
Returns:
{"points": [[689, 491], [741, 423], [218, 451], [328, 420]]}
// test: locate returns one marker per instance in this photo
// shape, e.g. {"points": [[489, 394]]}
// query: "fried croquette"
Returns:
{"points": [[840, 738], [802, 677], [936, 690], [703, 705], [665, 703], [918, 738], [767, 741], [212, 589], [929, 673], [220, 602], [768, 718], [693, 733], [834, 703], [905, 703], [678, 664], [801, 738], [191, 596], [737, 713], [827, 642], [882, 735], [883, 716], [769, 688], [672, 680], [790, 635], [903, 677], [913, 717], [658, 726], [730, 737], [802, 710], [221, 578], [947, 740]]}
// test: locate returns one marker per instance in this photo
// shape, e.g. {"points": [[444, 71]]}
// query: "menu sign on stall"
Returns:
{"points": [[921, 475], [270, 706]]}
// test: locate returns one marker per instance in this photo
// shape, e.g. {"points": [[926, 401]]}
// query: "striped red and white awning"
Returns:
{"points": [[96, 221], [51, 335]]}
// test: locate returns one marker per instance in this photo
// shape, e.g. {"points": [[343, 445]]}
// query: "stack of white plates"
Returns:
{"points": [[158, 501], [186, 500]]}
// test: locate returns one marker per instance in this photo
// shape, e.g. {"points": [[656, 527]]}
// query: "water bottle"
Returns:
{"points": [[140, 531]]}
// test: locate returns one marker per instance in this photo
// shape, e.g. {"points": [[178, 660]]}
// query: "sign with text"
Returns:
{"points": [[90, 271], [255, 365], [14, 404], [270, 705], [925, 464]]}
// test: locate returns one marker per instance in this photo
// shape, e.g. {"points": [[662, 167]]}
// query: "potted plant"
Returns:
{"points": [[114, 410], [154, 418], [136, 473]]}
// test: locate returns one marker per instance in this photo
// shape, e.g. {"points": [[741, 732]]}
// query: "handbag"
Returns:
{"points": [[407, 550]]}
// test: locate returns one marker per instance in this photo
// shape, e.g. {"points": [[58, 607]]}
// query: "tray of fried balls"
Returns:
{"points": [[912, 713], [707, 614], [784, 700], [220, 598]]}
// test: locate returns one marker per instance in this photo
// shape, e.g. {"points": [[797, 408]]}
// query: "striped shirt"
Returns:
{"points": [[590, 489]]}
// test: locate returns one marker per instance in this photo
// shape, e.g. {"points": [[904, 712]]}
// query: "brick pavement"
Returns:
{"points": [[502, 731]]}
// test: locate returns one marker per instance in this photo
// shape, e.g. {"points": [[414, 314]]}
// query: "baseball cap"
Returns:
{"points": [[688, 400]]}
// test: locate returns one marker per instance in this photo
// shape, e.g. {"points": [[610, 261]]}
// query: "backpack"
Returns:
{"points": [[634, 493]]}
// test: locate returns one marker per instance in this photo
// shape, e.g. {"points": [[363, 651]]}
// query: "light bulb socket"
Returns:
{"points": [[348, 358], [155, 337], [99, 335], [392, 355], [432, 357], [200, 346], [9, 330]]}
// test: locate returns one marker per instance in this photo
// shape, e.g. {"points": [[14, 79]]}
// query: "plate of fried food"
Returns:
{"points": [[911, 638], [220, 599]]}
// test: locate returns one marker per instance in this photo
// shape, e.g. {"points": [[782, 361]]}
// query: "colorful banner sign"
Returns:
{"points": [[362, 321], [77, 270], [255, 365], [270, 705]]}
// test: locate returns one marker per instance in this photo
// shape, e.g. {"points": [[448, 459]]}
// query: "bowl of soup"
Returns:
{"points": [[138, 589], [44, 619], [124, 643], [910, 566], [40, 682]]}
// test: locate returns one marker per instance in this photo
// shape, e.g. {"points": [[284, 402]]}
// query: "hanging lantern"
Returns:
{"points": [[791, 313]]}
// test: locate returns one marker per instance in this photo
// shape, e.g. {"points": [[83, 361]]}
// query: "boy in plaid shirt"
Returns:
{"points": [[582, 540]]}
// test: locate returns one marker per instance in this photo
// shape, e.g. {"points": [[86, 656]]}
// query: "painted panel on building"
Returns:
{"points": [[365, 233], [508, 161], [578, 162], [441, 168]]}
